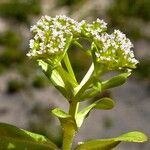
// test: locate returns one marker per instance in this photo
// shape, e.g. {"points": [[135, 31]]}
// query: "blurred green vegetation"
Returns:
{"points": [[68, 2], [11, 53], [107, 122], [14, 86], [20, 10], [128, 15], [11, 57], [39, 81], [130, 8], [80, 61], [143, 70], [10, 39]]}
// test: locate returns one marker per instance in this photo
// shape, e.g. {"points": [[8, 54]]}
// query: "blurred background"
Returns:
{"points": [[26, 96]]}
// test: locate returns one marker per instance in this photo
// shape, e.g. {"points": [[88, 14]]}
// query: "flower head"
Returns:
{"points": [[114, 50], [53, 36]]}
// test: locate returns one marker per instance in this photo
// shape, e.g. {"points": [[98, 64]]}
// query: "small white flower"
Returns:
{"points": [[48, 18], [31, 43], [102, 23], [33, 28], [42, 46]]}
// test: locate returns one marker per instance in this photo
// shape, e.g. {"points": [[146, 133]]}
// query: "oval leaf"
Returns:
{"points": [[108, 144], [12, 137], [60, 113], [115, 81], [105, 103], [81, 115]]}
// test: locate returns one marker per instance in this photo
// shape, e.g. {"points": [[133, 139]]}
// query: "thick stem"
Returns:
{"points": [[68, 135], [69, 129]]}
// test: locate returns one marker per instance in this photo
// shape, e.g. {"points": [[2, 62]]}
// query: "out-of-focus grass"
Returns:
{"points": [[143, 70], [11, 57], [39, 82], [68, 2], [130, 8], [126, 15], [10, 39], [20, 10], [14, 86]]}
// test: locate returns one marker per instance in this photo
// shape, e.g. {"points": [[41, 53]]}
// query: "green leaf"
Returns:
{"points": [[52, 74], [81, 115], [104, 103], [54, 77], [60, 113], [14, 138], [108, 144], [115, 81], [64, 117], [91, 92], [60, 78]]}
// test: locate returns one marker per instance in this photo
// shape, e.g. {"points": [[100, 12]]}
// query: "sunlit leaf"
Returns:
{"points": [[115, 81], [104, 103], [52, 74], [14, 138], [60, 113], [108, 144]]}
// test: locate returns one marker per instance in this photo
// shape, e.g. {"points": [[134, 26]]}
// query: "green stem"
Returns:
{"points": [[69, 130], [79, 45], [86, 81], [69, 67], [68, 135], [73, 108]]}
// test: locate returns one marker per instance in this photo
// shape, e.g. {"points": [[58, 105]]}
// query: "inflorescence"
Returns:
{"points": [[51, 39]]}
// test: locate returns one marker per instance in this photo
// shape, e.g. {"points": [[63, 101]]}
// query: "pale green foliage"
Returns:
{"points": [[14, 138], [107, 144]]}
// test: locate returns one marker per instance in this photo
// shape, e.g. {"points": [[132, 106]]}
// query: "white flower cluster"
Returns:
{"points": [[94, 29], [114, 50], [51, 35], [51, 38]]}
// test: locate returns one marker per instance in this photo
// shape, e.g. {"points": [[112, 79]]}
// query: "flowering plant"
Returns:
{"points": [[53, 38]]}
